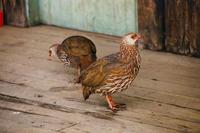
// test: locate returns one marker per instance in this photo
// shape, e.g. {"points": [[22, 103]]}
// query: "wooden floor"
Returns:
{"points": [[39, 96]]}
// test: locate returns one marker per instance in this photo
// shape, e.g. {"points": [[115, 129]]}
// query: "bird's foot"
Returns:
{"points": [[118, 107], [49, 59], [115, 106], [77, 80]]}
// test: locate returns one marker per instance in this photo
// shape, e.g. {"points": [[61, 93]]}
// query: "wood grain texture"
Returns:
{"points": [[15, 12], [171, 25], [37, 95], [151, 23], [182, 19]]}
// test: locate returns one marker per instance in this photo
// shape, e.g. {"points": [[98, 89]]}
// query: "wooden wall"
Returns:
{"points": [[171, 25], [182, 24], [113, 17], [151, 23], [15, 12], [167, 25], [21, 13], [32, 10]]}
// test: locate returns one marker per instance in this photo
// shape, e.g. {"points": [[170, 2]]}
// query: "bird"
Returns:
{"points": [[113, 73], [76, 52]]}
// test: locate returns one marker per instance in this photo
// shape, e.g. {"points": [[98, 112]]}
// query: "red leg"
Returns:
{"points": [[79, 74], [77, 80], [113, 106], [109, 102], [79, 71]]}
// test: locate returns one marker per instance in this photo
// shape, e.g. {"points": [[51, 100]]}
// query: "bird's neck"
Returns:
{"points": [[128, 52]]}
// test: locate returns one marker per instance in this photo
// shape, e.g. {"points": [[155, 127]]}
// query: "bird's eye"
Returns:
{"points": [[133, 36]]}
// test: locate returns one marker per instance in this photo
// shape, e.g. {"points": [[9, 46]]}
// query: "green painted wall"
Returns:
{"points": [[32, 12], [114, 17]]}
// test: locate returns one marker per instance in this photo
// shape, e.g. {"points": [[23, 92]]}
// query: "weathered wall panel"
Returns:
{"points": [[1, 14], [114, 17], [15, 12], [151, 23], [32, 12], [183, 26], [170, 25]]}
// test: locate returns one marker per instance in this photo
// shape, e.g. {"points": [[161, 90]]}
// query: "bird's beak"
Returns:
{"points": [[139, 43], [50, 53], [139, 37]]}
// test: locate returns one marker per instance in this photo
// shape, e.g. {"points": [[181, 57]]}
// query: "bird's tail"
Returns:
{"points": [[86, 92]]}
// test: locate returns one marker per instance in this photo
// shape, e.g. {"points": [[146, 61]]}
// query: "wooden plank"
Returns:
{"points": [[171, 121], [189, 72], [62, 114], [151, 23], [42, 70], [15, 12], [166, 60], [33, 120], [49, 38], [150, 84], [170, 25], [31, 54], [136, 91], [37, 59], [182, 24], [101, 41], [9, 126], [31, 84]]}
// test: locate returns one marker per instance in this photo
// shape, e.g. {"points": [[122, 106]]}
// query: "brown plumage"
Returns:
{"points": [[75, 51], [113, 73]]}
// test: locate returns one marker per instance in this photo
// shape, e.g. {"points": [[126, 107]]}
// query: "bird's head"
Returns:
{"points": [[53, 50], [131, 39]]}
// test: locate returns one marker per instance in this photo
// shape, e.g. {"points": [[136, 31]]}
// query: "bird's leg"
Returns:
{"points": [[114, 106], [110, 103], [79, 74], [77, 80]]}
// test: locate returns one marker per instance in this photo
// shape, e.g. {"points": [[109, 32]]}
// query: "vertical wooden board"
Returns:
{"points": [[151, 23], [1, 5], [32, 12], [15, 12], [183, 26], [1, 14], [114, 17]]}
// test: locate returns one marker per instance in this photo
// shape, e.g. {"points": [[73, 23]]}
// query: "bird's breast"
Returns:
{"points": [[119, 81]]}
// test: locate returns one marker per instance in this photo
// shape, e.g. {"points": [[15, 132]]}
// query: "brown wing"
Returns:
{"points": [[97, 72], [94, 74], [78, 46]]}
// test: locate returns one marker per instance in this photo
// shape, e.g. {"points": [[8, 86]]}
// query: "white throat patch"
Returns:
{"points": [[54, 50], [129, 40]]}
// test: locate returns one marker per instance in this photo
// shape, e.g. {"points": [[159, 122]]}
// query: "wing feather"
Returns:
{"points": [[97, 72]]}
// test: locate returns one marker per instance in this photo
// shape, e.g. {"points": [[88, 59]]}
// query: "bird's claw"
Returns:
{"points": [[77, 80], [118, 107]]}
